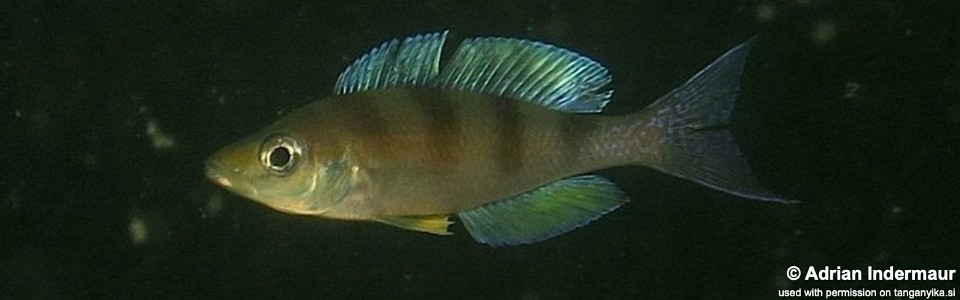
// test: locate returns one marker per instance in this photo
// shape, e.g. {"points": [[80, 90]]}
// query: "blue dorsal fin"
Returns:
{"points": [[530, 71], [535, 72], [543, 213], [413, 62]]}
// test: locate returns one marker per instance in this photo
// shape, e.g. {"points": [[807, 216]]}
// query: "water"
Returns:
{"points": [[110, 109]]}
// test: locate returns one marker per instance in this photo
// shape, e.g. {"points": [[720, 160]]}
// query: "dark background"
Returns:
{"points": [[109, 108]]}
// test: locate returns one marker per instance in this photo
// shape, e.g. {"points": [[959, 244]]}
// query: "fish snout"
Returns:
{"points": [[215, 172]]}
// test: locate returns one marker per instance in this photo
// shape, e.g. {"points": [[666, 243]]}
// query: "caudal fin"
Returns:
{"points": [[695, 117]]}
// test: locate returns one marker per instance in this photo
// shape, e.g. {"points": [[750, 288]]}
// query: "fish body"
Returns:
{"points": [[502, 137]]}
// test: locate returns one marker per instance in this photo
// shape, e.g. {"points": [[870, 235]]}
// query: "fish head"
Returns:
{"points": [[280, 170]]}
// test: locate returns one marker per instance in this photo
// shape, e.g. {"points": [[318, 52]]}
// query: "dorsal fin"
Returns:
{"points": [[530, 71], [535, 72], [411, 63]]}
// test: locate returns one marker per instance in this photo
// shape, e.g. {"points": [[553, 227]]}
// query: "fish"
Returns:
{"points": [[505, 134]]}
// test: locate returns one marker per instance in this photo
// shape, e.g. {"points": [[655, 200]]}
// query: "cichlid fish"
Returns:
{"points": [[502, 135]]}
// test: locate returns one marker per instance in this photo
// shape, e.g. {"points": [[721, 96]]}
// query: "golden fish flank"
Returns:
{"points": [[503, 136]]}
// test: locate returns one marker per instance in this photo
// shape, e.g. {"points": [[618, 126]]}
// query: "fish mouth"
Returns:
{"points": [[230, 179], [213, 170]]}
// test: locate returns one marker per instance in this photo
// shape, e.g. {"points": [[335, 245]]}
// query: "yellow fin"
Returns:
{"points": [[435, 224]]}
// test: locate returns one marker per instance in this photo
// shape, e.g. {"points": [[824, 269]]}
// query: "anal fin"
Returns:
{"points": [[543, 213]]}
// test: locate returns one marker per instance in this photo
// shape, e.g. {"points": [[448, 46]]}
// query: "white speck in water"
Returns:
{"points": [[823, 32], [780, 252], [13, 200], [530, 294], [160, 139], [137, 230], [897, 210], [850, 89], [90, 159], [7, 64], [39, 122], [766, 12], [17, 114], [214, 206], [881, 256]]}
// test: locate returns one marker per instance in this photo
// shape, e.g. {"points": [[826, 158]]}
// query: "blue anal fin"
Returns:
{"points": [[543, 213]]}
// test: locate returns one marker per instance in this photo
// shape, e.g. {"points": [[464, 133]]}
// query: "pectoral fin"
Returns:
{"points": [[543, 213], [436, 224]]}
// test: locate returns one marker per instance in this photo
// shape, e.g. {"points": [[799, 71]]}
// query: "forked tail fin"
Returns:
{"points": [[697, 143]]}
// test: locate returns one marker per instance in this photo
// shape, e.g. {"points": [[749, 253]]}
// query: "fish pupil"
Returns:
{"points": [[280, 157]]}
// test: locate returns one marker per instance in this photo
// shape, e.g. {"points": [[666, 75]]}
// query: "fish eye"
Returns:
{"points": [[280, 154]]}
